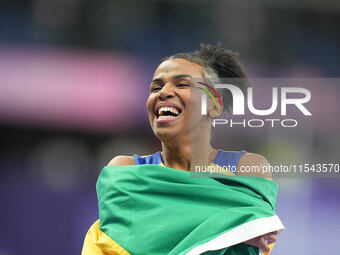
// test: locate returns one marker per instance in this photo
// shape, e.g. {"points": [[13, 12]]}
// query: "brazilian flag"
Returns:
{"points": [[154, 210]]}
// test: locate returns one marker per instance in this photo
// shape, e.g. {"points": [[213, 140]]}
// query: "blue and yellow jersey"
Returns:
{"points": [[223, 159]]}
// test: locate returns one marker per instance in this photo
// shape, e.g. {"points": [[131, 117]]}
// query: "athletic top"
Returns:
{"points": [[226, 159]]}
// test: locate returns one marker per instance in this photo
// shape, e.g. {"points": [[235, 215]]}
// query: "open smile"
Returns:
{"points": [[167, 112]]}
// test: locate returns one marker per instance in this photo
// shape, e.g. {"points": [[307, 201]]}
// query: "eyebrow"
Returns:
{"points": [[176, 77]]}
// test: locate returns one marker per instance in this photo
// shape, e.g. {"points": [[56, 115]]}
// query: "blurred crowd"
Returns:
{"points": [[74, 78]]}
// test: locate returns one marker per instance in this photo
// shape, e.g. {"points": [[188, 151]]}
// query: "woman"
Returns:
{"points": [[174, 113]]}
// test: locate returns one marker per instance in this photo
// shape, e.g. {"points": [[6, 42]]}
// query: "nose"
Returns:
{"points": [[167, 91]]}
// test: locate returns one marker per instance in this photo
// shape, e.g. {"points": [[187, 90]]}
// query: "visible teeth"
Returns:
{"points": [[166, 117], [167, 109]]}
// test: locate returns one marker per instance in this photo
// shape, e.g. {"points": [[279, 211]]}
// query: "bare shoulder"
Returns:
{"points": [[122, 161], [252, 164]]}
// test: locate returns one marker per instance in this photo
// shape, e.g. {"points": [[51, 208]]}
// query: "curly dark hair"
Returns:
{"points": [[220, 65]]}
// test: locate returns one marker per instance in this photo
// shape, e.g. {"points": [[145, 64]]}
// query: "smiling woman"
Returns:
{"points": [[152, 205]]}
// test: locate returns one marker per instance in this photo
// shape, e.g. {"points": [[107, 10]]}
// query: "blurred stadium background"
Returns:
{"points": [[74, 78]]}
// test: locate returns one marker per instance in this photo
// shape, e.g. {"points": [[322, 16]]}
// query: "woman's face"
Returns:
{"points": [[169, 101]]}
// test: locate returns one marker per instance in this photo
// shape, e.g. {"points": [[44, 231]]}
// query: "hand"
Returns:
{"points": [[263, 241]]}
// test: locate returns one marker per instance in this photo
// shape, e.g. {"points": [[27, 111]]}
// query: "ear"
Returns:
{"points": [[214, 110]]}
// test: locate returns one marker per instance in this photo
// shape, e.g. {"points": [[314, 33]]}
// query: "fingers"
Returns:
{"points": [[270, 237], [271, 247], [262, 244]]}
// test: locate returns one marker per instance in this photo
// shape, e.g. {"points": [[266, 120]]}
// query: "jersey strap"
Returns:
{"points": [[227, 159], [155, 158]]}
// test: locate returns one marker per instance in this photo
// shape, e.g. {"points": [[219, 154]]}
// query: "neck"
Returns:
{"points": [[186, 152]]}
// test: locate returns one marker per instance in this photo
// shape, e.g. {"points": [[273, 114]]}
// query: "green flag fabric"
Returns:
{"points": [[152, 209]]}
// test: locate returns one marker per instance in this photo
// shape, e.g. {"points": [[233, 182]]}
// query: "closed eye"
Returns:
{"points": [[155, 88], [183, 85]]}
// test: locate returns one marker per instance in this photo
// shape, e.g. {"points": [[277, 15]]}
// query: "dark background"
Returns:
{"points": [[74, 78]]}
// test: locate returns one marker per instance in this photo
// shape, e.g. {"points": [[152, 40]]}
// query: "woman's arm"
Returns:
{"points": [[260, 166], [97, 242]]}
